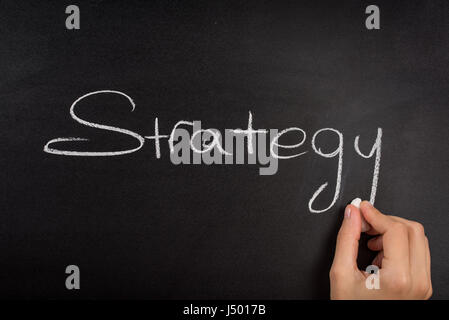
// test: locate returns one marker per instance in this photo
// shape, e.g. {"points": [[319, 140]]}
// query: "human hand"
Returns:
{"points": [[403, 257]]}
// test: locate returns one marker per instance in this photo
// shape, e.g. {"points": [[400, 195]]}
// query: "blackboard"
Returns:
{"points": [[142, 227]]}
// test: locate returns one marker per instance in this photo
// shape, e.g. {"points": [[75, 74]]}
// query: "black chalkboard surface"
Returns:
{"points": [[139, 226]]}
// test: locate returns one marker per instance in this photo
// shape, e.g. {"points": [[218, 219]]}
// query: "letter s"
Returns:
{"points": [[141, 139]]}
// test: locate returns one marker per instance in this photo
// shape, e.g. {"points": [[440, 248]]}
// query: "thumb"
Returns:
{"points": [[348, 240]]}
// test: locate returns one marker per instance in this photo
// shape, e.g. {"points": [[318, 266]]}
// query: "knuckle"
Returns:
{"points": [[422, 288], [343, 233], [401, 283], [399, 227], [336, 273], [418, 228]]}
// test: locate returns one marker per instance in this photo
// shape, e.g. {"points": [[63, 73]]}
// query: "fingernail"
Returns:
{"points": [[356, 202], [348, 212]]}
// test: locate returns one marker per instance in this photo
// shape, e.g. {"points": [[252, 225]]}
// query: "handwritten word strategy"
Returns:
{"points": [[206, 146]]}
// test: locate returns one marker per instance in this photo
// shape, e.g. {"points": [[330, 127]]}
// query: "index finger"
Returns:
{"points": [[395, 238], [378, 221]]}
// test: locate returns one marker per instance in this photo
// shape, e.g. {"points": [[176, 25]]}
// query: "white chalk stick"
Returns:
{"points": [[365, 225], [356, 202]]}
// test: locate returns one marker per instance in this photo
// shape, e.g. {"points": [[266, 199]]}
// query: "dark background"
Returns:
{"points": [[139, 227]]}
